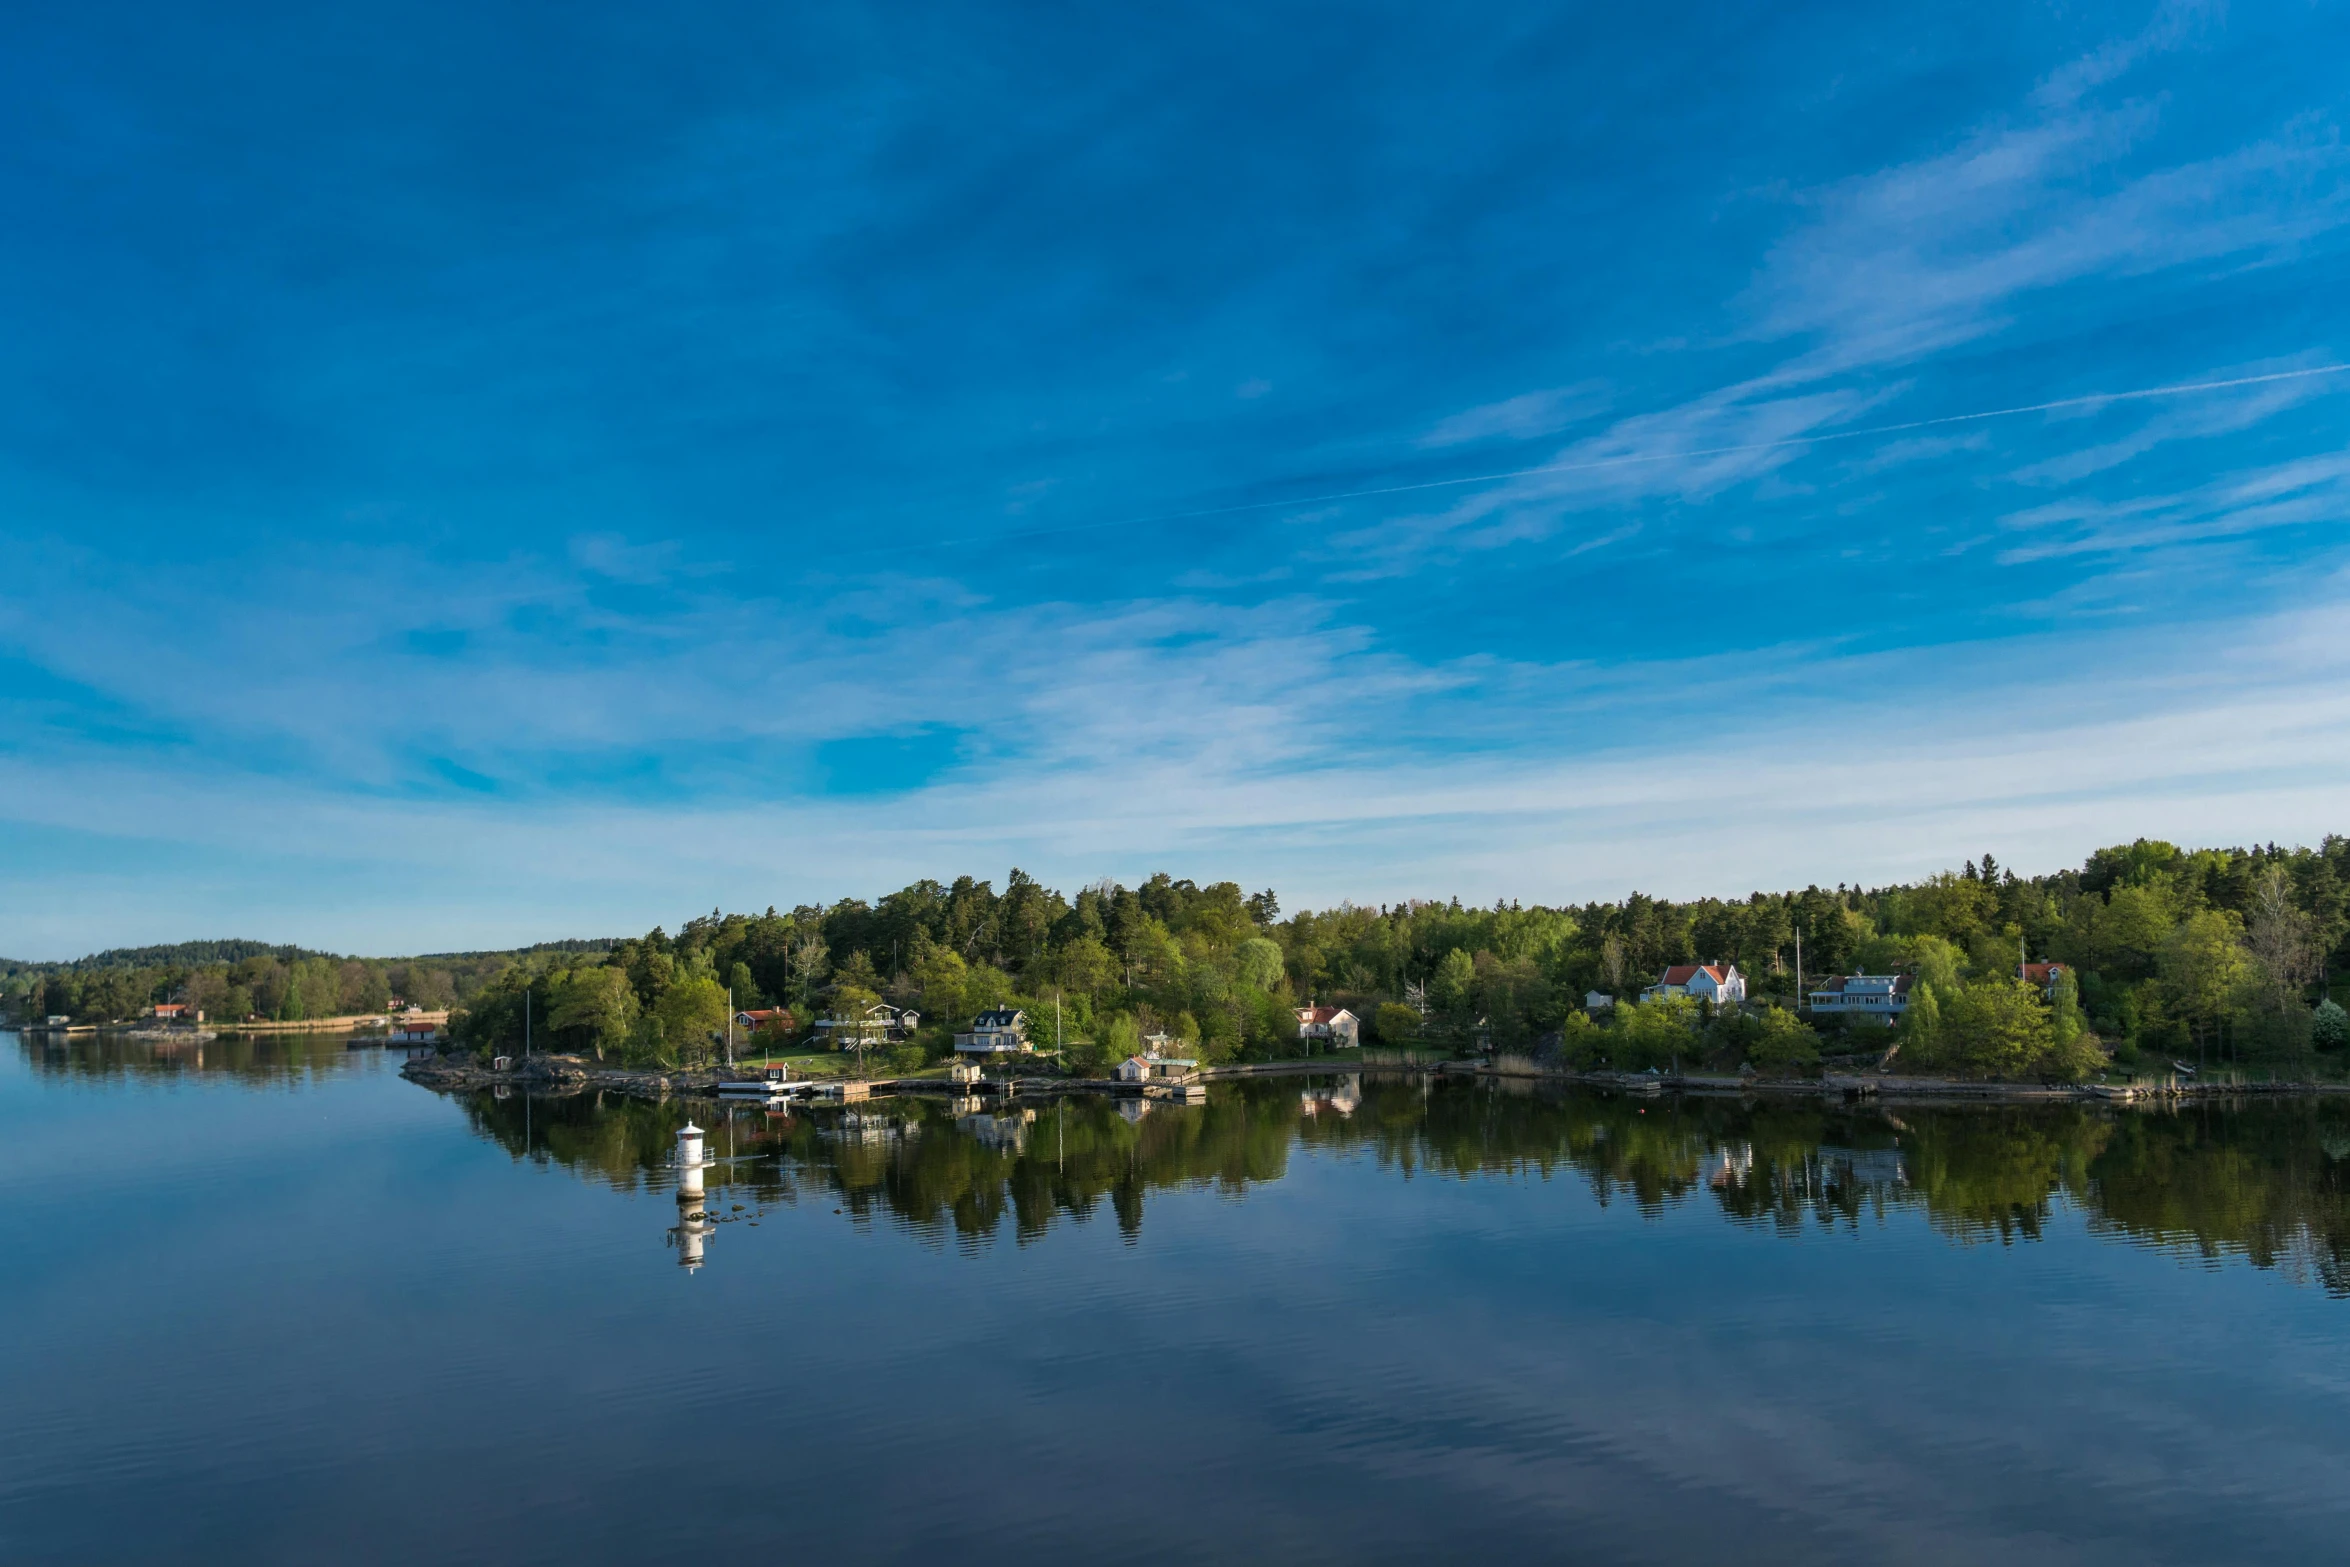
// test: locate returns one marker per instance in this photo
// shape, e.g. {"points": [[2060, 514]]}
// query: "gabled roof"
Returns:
{"points": [[1835, 984], [1000, 1017], [2042, 973], [1683, 973], [1321, 1014]]}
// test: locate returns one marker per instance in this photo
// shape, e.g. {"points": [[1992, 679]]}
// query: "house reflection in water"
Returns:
{"points": [[1826, 1168], [1006, 1129], [867, 1126], [1342, 1097], [1863, 1169]]}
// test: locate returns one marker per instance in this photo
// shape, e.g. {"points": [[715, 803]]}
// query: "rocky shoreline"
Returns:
{"points": [[565, 1075]]}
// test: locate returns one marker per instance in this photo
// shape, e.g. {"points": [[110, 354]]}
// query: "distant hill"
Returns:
{"points": [[569, 944], [191, 952]]}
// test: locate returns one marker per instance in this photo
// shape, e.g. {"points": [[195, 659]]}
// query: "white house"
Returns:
{"points": [[1719, 983], [1597, 1001], [1335, 1024], [1882, 997], [996, 1031]]}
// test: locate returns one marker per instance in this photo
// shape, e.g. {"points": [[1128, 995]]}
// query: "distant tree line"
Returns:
{"points": [[2224, 954], [233, 981]]}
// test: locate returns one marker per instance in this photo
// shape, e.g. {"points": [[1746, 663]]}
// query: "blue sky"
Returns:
{"points": [[481, 476]]}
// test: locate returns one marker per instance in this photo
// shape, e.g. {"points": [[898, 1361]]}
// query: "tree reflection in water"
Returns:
{"points": [[2263, 1181], [249, 1058]]}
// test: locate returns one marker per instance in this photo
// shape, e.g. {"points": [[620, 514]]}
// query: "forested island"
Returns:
{"points": [[2147, 952]]}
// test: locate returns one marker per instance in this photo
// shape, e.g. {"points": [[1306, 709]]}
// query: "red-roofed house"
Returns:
{"points": [[1336, 1024], [1719, 983], [777, 1018], [2042, 975]]}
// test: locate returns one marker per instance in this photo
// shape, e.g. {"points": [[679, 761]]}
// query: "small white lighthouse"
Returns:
{"points": [[690, 1165]]}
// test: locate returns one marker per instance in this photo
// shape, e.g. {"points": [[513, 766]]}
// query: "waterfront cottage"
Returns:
{"points": [[1882, 998], [1719, 983], [1335, 1025], [996, 1031], [1154, 1066]]}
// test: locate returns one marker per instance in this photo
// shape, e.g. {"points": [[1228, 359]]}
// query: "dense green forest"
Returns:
{"points": [[2222, 954], [2213, 954]]}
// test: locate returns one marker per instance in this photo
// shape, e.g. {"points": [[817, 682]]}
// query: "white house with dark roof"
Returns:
{"points": [[1719, 983], [1882, 998], [997, 1031]]}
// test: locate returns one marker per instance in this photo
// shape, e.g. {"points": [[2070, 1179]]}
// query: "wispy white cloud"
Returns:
{"points": [[2199, 419], [1520, 418], [1296, 755], [2297, 493], [1888, 270]]}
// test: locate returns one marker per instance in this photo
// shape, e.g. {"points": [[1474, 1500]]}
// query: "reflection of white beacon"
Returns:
{"points": [[689, 1165], [692, 1234]]}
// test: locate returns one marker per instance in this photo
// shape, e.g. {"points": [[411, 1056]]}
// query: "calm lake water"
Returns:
{"points": [[277, 1305]]}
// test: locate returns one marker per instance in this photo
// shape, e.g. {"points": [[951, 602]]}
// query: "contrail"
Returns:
{"points": [[2178, 389]]}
